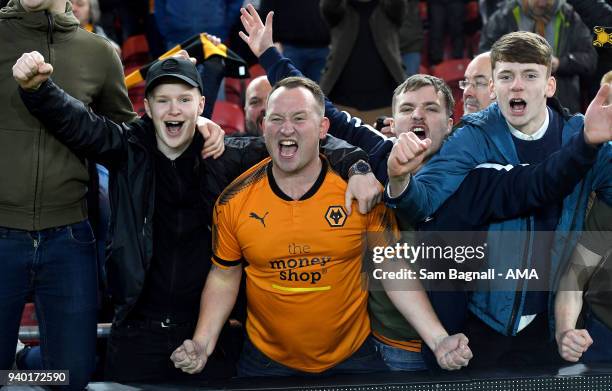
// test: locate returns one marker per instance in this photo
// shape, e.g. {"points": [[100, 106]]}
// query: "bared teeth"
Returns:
{"points": [[288, 143]]}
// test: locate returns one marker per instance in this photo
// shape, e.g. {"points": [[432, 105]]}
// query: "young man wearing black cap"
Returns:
{"points": [[161, 194]]}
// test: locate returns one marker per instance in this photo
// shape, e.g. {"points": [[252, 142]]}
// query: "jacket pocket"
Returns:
{"points": [[19, 160]]}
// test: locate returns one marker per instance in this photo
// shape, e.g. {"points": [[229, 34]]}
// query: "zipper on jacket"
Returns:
{"points": [[519, 290], [49, 29], [36, 179], [49, 43], [175, 259]]}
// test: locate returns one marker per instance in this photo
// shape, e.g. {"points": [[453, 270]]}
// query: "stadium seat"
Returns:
{"points": [[451, 71], [256, 70], [423, 10], [229, 116], [234, 90], [458, 109], [135, 52], [137, 96], [28, 317], [471, 11]]}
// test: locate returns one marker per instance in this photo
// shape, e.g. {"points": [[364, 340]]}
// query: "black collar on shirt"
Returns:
{"points": [[277, 190]]}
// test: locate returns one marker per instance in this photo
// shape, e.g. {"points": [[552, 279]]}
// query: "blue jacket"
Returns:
{"points": [[485, 137], [179, 20], [487, 194]]}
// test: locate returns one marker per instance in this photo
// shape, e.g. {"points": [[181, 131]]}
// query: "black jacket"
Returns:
{"points": [[297, 22], [575, 51], [343, 22], [593, 12], [126, 151]]}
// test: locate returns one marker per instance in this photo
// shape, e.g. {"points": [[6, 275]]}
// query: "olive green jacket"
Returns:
{"points": [[42, 183]]}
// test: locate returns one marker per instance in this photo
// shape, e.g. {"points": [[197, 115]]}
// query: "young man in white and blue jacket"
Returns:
{"points": [[511, 324]]}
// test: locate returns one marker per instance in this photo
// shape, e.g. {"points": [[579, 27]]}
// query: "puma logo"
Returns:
{"points": [[254, 216]]}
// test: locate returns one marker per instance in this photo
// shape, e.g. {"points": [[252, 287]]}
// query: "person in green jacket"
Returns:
{"points": [[47, 247]]}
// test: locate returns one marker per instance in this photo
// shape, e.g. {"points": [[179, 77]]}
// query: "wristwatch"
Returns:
{"points": [[361, 167]]}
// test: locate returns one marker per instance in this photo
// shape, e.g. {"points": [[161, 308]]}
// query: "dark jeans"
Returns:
{"points": [[452, 309], [254, 363], [601, 350], [58, 267], [139, 351], [445, 16], [309, 60], [532, 346]]}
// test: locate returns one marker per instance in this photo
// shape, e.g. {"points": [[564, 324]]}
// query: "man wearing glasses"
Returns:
{"points": [[477, 94]]}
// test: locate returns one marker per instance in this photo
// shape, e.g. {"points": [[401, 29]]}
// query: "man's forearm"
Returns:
{"points": [[568, 305], [397, 185], [411, 301], [417, 310], [71, 122], [568, 302], [218, 298]]}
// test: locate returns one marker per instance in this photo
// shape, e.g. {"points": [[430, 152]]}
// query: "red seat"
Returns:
{"points": [[137, 95], [29, 322], [451, 71], [229, 116], [256, 70], [28, 316], [423, 70], [135, 51], [471, 11], [423, 10], [234, 90], [458, 109]]}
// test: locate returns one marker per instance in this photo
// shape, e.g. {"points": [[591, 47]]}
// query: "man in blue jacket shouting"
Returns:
{"points": [[519, 129]]}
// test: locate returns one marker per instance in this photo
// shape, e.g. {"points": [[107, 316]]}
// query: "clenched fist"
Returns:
{"points": [[31, 70], [405, 158], [190, 357]]}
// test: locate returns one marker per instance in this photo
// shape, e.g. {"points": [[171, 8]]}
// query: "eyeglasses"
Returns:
{"points": [[479, 85]]}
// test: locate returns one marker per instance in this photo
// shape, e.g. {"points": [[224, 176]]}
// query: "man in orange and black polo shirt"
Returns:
{"points": [[284, 219]]}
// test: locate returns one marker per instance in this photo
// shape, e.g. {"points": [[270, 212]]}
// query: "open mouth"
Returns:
{"points": [[419, 131], [173, 127], [517, 106], [287, 148]]}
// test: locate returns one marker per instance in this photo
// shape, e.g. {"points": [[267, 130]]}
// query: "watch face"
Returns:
{"points": [[362, 167]]}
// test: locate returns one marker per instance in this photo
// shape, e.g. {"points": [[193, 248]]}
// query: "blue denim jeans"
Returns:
{"points": [[398, 359], [254, 363], [601, 350], [57, 266], [411, 62], [102, 230], [309, 60]]}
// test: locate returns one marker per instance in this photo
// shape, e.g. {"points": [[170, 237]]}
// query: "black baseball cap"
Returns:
{"points": [[178, 68]]}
